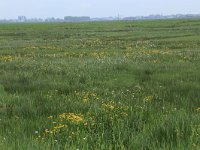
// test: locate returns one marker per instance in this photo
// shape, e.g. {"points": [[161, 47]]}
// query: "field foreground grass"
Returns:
{"points": [[100, 85]]}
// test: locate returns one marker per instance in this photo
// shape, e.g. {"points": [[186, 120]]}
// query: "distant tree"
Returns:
{"points": [[76, 19], [21, 18]]}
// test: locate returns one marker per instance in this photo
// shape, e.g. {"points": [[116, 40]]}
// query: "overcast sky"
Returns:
{"points": [[95, 8]]}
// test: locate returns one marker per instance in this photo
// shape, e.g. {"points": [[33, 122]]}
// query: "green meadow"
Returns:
{"points": [[119, 85]]}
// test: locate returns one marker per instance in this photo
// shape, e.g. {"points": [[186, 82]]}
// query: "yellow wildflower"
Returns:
{"points": [[148, 98], [109, 106], [85, 100], [60, 126], [50, 117], [7, 58], [197, 109], [124, 114], [72, 117], [75, 117], [47, 131]]}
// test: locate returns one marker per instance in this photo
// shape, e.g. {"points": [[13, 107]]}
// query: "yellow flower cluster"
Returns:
{"points": [[148, 98], [86, 96], [55, 129], [117, 110], [62, 124], [197, 109], [76, 118], [7, 58], [109, 106], [50, 117], [48, 47]]}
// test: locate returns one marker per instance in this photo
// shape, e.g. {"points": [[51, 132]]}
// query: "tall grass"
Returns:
{"points": [[100, 85]]}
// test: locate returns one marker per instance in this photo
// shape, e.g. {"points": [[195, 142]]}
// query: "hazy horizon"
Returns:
{"points": [[11, 9]]}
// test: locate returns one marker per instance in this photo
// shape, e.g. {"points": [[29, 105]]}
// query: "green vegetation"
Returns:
{"points": [[100, 85]]}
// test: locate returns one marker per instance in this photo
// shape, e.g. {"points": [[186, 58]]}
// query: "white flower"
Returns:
{"points": [[36, 132]]}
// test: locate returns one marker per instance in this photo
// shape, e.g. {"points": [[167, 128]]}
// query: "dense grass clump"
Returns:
{"points": [[100, 85]]}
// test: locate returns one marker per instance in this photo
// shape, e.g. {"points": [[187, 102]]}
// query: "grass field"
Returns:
{"points": [[123, 85]]}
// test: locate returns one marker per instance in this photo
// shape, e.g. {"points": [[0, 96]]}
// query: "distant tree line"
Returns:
{"points": [[87, 18], [76, 19]]}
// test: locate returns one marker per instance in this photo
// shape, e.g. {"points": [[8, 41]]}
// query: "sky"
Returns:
{"points": [[11, 9]]}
